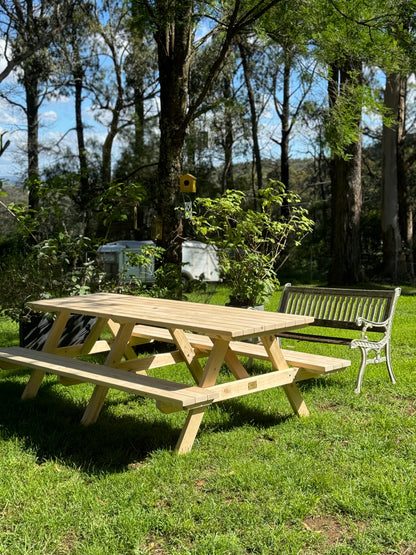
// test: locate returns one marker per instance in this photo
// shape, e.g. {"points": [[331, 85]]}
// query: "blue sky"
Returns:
{"points": [[56, 117]]}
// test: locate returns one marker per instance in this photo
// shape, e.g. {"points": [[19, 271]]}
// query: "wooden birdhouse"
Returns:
{"points": [[187, 183]]}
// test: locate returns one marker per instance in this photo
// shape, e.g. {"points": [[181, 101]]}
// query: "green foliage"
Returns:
{"points": [[250, 242], [48, 258], [342, 121], [54, 258], [168, 282], [116, 197], [145, 257], [353, 34], [54, 267]]}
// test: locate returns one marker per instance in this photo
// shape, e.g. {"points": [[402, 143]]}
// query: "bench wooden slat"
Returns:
{"points": [[176, 394]]}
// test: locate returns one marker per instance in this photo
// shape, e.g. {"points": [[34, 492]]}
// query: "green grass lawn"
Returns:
{"points": [[258, 479]]}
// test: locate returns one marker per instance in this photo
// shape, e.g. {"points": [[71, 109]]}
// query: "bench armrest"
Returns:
{"points": [[365, 325]]}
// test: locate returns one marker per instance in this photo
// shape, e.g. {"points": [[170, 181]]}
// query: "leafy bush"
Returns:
{"points": [[251, 242], [53, 268]]}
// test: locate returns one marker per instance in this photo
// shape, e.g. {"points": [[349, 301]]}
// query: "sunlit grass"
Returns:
{"points": [[258, 480]]}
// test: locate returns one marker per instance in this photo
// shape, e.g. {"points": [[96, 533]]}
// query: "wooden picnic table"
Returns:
{"points": [[199, 331]]}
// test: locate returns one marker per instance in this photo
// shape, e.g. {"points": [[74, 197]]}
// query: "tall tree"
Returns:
{"points": [[346, 200], [28, 29], [291, 72], [112, 96], [225, 121], [247, 47], [396, 209], [406, 203], [174, 31], [349, 35], [76, 56], [227, 177], [141, 68], [390, 222], [22, 38]]}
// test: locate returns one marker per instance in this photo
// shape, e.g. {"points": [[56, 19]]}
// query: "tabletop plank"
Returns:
{"points": [[213, 320]]}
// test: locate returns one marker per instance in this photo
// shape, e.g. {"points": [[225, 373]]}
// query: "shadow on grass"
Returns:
{"points": [[49, 426], [237, 413], [327, 382]]}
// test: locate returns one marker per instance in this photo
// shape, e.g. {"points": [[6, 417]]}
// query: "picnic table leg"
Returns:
{"points": [[55, 333], [209, 377], [188, 353], [87, 346], [189, 430], [278, 360], [129, 354], [117, 351], [94, 335], [235, 366]]}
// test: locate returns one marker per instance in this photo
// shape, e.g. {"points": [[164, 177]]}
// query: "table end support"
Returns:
{"points": [[95, 405], [189, 430], [296, 400], [33, 385]]}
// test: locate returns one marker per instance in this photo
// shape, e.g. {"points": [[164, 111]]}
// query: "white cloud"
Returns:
{"points": [[7, 118], [50, 116]]}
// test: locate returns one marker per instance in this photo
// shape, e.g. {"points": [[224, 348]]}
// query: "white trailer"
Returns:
{"points": [[200, 261], [115, 259]]}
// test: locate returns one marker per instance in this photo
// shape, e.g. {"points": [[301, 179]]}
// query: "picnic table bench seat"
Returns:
{"points": [[166, 392], [361, 310], [318, 364]]}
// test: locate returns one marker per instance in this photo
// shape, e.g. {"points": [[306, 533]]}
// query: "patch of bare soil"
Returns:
{"points": [[330, 528], [325, 407], [407, 549]]}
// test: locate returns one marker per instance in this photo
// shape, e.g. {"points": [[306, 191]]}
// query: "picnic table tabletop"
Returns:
{"points": [[212, 320]]}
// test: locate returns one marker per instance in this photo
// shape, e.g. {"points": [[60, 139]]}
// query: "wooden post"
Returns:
{"points": [[114, 356], [278, 360], [36, 377]]}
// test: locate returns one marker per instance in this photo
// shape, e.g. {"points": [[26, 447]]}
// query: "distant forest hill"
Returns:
{"points": [[308, 178]]}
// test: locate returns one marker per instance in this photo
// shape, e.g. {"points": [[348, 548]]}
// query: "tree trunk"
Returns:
{"points": [[138, 32], [285, 120], [227, 181], [174, 24], [31, 84], [346, 198], [346, 212], [390, 195], [139, 122], [85, 192], [404, 192], [113, 128], [107, 148], [174, 49], [284, 162], [258, 180]]}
